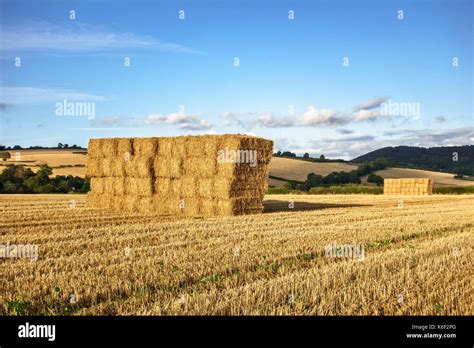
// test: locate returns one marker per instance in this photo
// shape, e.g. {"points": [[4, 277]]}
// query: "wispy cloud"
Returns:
{"points": [[371, 104], [366, 115], [113, 120], [344, 131], [5, 106], [201, 125], [80, 37], [312, 117], [185, 122], [31, 95]]}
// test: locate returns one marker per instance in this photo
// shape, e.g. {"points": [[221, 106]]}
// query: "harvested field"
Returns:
{"points": [[54, 158], [418, 259]]}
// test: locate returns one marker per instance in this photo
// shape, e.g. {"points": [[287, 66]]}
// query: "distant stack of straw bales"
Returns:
{"points": [[187, 175], [408, 186]]}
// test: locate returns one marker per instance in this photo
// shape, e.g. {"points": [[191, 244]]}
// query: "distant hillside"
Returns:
{"points": [[433, 158], [296, 169]]}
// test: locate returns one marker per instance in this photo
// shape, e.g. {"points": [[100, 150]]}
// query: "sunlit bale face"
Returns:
{"points": [[188, 175]]}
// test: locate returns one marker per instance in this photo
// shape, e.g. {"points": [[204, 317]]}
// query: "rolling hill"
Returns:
{"points": [[294, 169], [441, 158]]}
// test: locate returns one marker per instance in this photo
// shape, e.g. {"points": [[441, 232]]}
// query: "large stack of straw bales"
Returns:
{"points": [[408, 186], [187, 175]]}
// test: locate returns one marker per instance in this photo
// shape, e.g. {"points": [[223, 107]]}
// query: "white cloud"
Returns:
{"points": [[154, 118], [365, 115], [188, 122], [179, 118], [312, 117], [201, 125], [319, 117], [229, 118]]}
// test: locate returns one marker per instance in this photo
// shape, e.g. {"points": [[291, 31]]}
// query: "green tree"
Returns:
{"points": [[376, 179], [4, 155]]}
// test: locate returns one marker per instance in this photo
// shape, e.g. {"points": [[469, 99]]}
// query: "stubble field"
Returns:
{"points": [[417, 258]]}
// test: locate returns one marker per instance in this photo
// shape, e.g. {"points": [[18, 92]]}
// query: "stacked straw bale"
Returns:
{"points": [[187, 175], [408, 186]]}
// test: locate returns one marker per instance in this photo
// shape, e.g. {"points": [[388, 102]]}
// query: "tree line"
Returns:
{"points": [[18, 179]]}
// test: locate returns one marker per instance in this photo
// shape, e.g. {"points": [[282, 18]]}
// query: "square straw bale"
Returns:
{"points": [[167, 167], [93, 168], [165, 146], [97, 185], [194, 147], [145, 147], [205, 187], [124, 148], [109, 147], [94, 148], [162, 186], [199, 167], [188, 186]]}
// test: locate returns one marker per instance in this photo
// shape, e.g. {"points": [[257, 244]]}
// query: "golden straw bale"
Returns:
{"points": [[199, 167], [93, 168], [145, 205], [138, 186], [194, 147], [205, 187], [178, 147], [109, 187], [109, 147], [175, 187], [119, 186], [162, 186], [94, 148], [181, 176], [145, 147], [189, 207], [165, 146], [238, 206], [210, 144], [107, 164], [188, 187], [124, 148], [208, 207], [408, 186], [131, 203], [97, 185], [167, 167], [139, 167]]}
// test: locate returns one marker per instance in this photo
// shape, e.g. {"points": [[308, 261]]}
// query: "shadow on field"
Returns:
{"points": [[277, 206]]}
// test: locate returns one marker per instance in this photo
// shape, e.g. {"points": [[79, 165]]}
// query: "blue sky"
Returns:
{"points": [[399, 87]]}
